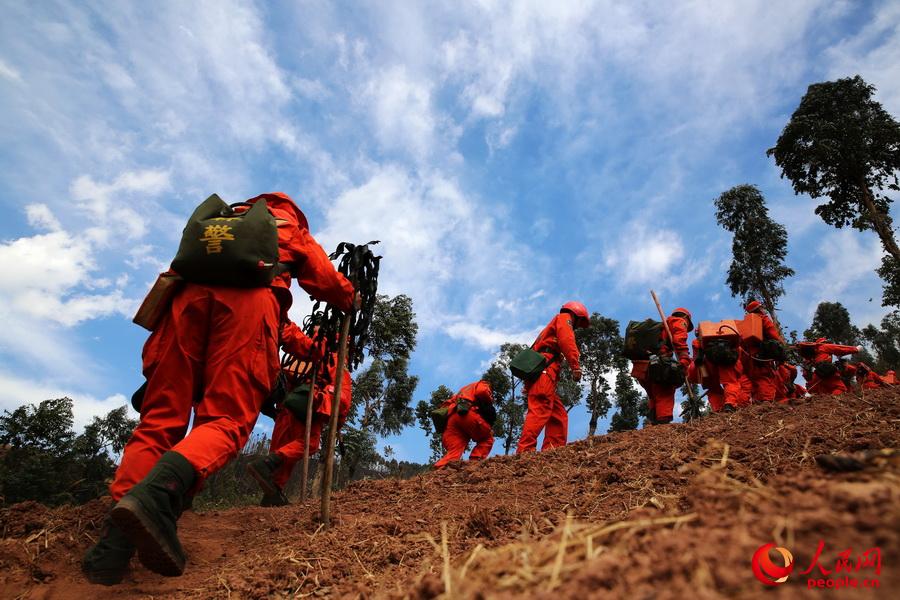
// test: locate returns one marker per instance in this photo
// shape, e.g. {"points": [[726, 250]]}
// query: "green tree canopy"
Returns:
{"points": [[758, 248], [628, 401], [832, 321], [885, 341], [44, 460], [842, 145], [383, 391], [601, 352], [508, 396]]}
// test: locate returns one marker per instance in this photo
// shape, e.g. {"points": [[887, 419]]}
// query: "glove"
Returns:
{"points": [[859, 348], [576, 374]]}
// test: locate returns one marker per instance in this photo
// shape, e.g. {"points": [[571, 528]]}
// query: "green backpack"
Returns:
{"points": [[528, 364], [440, 416], [222, 247], [297, 400], [642, 338]]}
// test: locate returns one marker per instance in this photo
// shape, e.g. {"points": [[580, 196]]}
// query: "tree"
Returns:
{"points": [[628, 401], [885, 342], [383, 391], [842, 145], [687, 409], [508, 396], [832, 321], [44, 460], [423, 416], [758, 248], [601, 352]]}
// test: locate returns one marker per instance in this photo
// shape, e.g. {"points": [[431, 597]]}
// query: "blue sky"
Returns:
{"points": [[510, 155]]}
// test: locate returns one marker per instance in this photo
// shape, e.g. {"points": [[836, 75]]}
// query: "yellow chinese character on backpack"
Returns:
{"points": [[214, 235]]}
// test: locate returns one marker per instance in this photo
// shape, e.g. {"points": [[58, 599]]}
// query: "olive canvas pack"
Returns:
{"points": [[221, 246]]}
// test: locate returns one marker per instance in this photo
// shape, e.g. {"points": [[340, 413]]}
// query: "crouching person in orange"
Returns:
{"points": [[214, 356], [545, 409], [661, 389], [471, 416], [867, 378], [787, 374], [827, 377], [289, 436]]}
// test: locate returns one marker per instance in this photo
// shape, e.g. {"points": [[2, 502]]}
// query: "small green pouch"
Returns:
{"points": [[439, 417], [297, 400], [528, 364]]}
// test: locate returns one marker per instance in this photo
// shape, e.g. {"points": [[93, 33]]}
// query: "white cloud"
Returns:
{"points": [[873, 54], [16, 391], [642, 255], [486, 338], [41, 217], [9, 73], [402, 111]]}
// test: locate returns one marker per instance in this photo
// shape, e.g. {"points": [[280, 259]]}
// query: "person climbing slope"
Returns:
{"points": [[212, 359], [545, 409], [471, 416]]}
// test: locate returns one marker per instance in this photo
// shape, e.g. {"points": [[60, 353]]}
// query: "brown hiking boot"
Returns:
{"points": [[262, 469], [148, 513], [106, 562]]}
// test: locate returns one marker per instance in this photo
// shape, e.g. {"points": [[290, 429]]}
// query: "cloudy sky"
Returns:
{"points": [[510, 155]]}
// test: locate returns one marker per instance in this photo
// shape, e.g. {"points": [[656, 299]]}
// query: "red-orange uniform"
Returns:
{"points": [[289, 434], [869, 379], [890, 378], [661, 397], [461, 429], [763, 374], [787, 389], [215, 353], [823, 351], [545, 409], [723, 382]]}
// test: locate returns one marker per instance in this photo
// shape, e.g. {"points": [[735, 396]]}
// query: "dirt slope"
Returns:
{"points": [[663, 512]]}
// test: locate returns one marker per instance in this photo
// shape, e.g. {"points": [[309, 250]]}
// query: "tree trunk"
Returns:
{"points": [[592, 424], [879, 224]]}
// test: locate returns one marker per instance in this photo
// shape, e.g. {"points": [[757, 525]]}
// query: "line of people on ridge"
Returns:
{"points": [[734, 369]]}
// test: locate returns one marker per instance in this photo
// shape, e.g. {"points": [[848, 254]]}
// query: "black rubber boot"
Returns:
{"points": [[148, 514], [262, 469], [106, 562], [276, 499], [729, 408]]}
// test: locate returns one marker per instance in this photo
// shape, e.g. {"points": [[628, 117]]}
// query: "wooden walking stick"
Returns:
{"points": [[333, 421], [309, 411], [695, 403]]}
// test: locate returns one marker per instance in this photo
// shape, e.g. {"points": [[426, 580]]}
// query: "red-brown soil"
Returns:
{"points": [[666, 512]]}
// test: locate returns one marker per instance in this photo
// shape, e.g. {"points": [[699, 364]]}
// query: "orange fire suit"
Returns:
{"points": [[763, 374], [833, 385], [786, 389], [661, 397], [215, 353], [723, 382], [461, 429], [289, 434], [545, 409], [869, 380], [890, 378]]}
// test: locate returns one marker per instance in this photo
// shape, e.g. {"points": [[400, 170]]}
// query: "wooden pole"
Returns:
{"points": [[309, 411], [328, 475], [695, 403]]}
